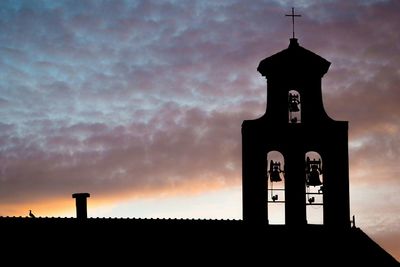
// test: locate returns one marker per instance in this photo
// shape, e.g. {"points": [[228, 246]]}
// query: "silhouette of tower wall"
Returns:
{"points": [[295, 68]]}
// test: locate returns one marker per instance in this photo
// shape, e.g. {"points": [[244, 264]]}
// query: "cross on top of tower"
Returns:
{"points": [[293, 15]]}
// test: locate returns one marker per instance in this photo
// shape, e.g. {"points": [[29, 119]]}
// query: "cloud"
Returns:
{"points": [[122, 98], [176, 146]]}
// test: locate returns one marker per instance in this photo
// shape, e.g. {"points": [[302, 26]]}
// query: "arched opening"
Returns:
{"points": [[314, 188], [275, 173], [294, 107]]}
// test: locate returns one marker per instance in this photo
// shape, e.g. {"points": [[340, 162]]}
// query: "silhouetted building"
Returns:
{"points": [[294, 145], [295, 125]]}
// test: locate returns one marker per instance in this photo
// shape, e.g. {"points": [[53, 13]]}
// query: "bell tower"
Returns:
{"points": [[313, 167]]}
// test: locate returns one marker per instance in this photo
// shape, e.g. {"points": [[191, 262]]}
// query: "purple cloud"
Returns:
{"points": [[116, 97]]}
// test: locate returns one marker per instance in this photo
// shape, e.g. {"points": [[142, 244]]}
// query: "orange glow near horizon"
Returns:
{"points": [[65, 207]]}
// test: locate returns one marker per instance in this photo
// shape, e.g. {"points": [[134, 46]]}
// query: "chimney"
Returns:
{"points": [[81, 205]]}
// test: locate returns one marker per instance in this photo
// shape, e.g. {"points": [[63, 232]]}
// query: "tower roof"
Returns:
{"points": [[294, 61]]}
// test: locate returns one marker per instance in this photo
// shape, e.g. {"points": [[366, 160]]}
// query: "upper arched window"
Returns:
{"points": [[294, 107]]}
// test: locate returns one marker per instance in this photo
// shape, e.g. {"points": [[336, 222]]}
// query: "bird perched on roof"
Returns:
{"points": [[31, 214]]}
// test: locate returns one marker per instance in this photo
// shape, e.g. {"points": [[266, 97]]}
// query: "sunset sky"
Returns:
{"points": [[140, 103]]}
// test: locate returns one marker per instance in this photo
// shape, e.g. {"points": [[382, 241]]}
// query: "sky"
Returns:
{"points": [[140, 103]]}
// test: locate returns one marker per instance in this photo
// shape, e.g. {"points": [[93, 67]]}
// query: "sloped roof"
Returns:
{"points": [[294, 60], [192, 242]]}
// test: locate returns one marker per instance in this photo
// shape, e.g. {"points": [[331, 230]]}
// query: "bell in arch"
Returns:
{"points": [[275, 171], [294, 102], [313, 172]]}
